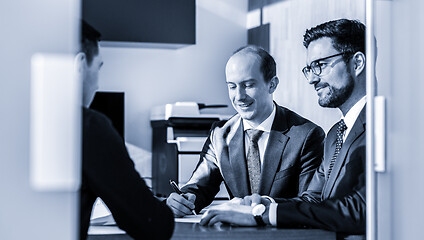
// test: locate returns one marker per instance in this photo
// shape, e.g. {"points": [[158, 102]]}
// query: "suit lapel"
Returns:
{"points": [[272, 158], [276, 143], [238, 162], [357, 130]]}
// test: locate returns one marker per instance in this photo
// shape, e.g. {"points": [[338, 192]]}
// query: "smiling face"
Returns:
{"points": [[336, 87], [250, 95]]}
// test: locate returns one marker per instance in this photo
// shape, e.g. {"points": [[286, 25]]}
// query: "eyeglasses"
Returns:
{"points": [[319, 68]]}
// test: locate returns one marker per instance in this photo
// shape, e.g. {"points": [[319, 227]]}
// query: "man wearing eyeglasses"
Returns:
{"points": [[335, 198]]}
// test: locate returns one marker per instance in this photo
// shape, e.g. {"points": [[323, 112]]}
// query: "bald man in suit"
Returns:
{"points": [[265, 148]]}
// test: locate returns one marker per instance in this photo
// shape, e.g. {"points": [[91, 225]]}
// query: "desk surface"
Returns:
{"points": [[196, 231]]}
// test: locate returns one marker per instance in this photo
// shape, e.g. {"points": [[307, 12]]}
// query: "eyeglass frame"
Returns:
{"points": [[332, 64]]}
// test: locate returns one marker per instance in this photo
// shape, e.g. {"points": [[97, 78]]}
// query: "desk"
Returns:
{"points": [[185, 231]]}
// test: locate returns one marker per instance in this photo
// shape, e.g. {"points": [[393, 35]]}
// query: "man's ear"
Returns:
{"points": [[273, 83], [80, 62], [358, 61]]}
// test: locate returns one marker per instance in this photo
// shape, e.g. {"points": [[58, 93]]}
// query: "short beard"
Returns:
{"points": [[337, 96]]}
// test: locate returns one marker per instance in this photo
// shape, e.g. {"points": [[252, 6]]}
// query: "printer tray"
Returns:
{"points": [[185, 122]]}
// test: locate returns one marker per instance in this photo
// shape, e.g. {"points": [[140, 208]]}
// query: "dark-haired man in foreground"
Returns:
{"points": [[107, 170], [335, 198]]}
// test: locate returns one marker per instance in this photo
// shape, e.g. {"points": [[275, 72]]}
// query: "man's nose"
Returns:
{"points": [[313, 79], [240, 93]]}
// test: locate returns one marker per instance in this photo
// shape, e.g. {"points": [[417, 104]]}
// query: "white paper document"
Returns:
{"points": [[105, 230], [189, 219]]}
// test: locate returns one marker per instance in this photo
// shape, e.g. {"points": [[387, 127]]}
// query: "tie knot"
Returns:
{"points": [[254, 134], [341, 126]]}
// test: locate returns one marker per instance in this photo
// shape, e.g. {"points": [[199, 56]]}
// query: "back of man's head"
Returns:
{"points": [[89, 41], [348, 35], [267, 62]]}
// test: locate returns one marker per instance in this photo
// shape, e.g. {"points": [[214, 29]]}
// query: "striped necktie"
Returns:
{"points": [[341, 128], [253, 159]]}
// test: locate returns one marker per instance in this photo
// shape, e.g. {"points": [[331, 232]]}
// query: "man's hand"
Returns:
{"points": [[229, 213], [254, 200], [181, 205]]}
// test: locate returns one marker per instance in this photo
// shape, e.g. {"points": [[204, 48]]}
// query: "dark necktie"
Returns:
{"points": [[341, 128], [253, 159]]}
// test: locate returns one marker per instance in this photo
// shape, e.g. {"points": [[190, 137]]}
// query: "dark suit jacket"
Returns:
{"points": [[336, 203], [294, 151], [109, 173]]}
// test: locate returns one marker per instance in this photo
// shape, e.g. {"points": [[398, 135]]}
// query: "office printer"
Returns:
{"points": [[179, 131]]}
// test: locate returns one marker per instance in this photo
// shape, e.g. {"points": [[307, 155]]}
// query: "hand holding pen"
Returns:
{"points": [[181, 203]]}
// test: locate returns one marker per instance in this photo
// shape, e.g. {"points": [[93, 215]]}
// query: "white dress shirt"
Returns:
{"points": [[352, 115], [349, 120]]}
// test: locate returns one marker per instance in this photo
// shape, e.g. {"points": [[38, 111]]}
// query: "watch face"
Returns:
{"points": [[258, 210]]}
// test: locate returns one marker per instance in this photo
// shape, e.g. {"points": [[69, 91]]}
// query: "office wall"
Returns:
{"points": [[151, 77]]}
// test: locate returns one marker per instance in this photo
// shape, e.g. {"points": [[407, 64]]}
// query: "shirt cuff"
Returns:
{"points": [[269, 198], [273, 214]]}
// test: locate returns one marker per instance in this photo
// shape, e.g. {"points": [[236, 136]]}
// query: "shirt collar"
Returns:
{"points": [[354, 112], [265, 125]]}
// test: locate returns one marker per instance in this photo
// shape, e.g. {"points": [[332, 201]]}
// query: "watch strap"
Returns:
{"points": [[259, 220]]}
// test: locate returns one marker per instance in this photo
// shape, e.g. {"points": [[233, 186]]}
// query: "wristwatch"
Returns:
{"points": [[257, 213]]}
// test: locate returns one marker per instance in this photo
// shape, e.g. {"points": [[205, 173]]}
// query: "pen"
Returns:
{"points": [[177, 190]]}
